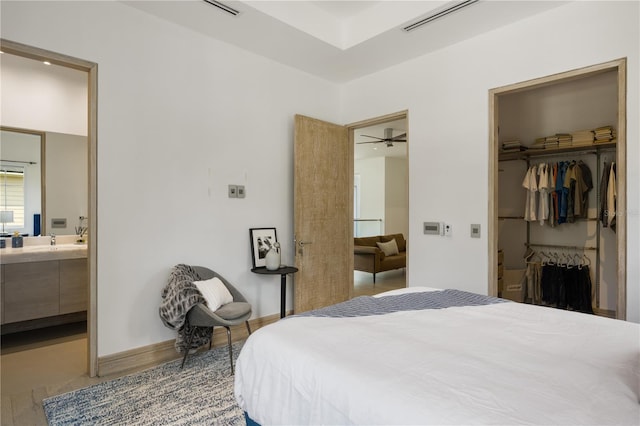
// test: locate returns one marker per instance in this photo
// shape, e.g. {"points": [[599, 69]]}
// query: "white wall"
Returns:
{"points": [[383, 195], [372, 194], [67, 180], [51, 99], [446, 93], [42, 97], [180, 117], [396, 202]]}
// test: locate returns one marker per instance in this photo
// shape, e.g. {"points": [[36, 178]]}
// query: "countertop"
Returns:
{"points": [[39, 249]]}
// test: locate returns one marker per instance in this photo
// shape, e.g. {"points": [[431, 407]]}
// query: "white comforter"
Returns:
{"points": [[506, 363]]}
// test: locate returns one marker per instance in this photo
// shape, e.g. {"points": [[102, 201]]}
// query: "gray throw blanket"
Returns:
{"points": [[368, 305], [178, 297]]}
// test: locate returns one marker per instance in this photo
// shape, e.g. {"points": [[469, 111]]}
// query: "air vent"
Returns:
{"points": [[223, 7], [441, 14]]}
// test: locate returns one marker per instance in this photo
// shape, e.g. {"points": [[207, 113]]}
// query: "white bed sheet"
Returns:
{"points": [[506, 363]]}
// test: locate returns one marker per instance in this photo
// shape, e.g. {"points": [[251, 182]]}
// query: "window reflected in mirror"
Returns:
{"points": [[20, 182]]}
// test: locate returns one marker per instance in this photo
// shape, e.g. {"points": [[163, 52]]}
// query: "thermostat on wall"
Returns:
{"points": [[59, 223], [432, 228]]}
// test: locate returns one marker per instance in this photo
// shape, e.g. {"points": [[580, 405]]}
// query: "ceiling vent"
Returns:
{"points": [[223, 7], [457, 6]]}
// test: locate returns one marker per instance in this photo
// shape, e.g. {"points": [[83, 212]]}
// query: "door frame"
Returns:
{"points": [[352, 127], [620, 66], [91, 68]]}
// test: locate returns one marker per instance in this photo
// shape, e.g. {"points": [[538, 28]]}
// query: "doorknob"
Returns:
{"points": [[301, 245]]}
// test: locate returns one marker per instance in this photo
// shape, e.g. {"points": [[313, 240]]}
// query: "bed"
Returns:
{"points": [[430, 356]]}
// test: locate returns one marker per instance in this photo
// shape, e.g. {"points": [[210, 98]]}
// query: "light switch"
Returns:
{"points": [[241, 193], [475, 230], [233, 191]]}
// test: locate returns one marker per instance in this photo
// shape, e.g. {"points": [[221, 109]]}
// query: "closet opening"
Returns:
{"points": [[557, 187]]}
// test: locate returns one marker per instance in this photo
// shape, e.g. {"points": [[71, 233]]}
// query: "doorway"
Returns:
{"points": [[561, 103], [90, 68], [380, 192]]}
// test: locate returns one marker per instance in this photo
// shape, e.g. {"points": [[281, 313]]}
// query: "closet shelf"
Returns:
{"points": [[523, 155]]}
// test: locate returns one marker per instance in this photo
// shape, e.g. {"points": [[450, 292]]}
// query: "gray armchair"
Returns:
{"points": [[233, 313]]}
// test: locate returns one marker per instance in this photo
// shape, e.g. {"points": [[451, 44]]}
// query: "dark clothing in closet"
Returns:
{"points": [[567, 287]]}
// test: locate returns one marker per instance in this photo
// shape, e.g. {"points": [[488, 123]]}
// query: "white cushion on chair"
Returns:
{"points": [[215, 292]]}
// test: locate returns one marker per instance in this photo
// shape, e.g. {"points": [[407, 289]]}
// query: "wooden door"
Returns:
{"points": [[323, 213]]}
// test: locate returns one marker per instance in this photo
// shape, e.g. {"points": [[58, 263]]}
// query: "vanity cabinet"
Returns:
{"points": [[34, 290], [30, 291], [74, 278]]}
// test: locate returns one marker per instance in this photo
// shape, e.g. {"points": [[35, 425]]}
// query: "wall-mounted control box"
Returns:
{"points": [[59, 223], [431, 228]]}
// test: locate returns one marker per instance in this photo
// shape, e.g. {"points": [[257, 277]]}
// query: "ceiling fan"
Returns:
{"points": [[388, 138]]}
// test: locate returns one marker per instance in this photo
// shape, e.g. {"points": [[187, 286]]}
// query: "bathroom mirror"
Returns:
{"points": [[21, 183], [55, 179]]}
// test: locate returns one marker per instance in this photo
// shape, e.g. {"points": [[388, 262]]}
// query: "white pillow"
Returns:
{"points": [[215, 293], [389, 248]]}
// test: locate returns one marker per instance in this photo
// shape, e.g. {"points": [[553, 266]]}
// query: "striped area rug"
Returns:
{"points": [[199, 394]]}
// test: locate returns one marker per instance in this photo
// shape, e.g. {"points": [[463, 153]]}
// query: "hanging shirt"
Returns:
{"points": [[551, 197], [543, 188], [554, 196], [569, 190], [530, 183], [611, 197], [604, 183], [580, 191], [562, 191], [584, 184]]}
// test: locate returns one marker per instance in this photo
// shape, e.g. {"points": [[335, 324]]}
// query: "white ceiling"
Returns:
{"points": [[343, 40], [340, 40], [344, 8]]}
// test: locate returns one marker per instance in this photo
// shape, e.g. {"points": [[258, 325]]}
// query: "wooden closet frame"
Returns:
{"points": [[620, 67]]}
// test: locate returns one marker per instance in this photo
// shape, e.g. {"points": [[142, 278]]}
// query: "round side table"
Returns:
{"points": [[283, 271]]}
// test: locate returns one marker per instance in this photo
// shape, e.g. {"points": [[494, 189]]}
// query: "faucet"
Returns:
{"points": [[53, 239]]}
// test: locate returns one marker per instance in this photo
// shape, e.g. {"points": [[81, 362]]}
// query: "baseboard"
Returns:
{"points": [[158, 353], [605, 312]]}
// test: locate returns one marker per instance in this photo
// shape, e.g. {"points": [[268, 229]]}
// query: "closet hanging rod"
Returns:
{"points": [[563, 154], [560, 246]]}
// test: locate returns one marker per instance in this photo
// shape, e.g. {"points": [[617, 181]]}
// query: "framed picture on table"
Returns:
{"points": [[262, 239]]}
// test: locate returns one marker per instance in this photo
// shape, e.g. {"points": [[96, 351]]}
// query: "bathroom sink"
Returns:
{"points": [[58, 247]]}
